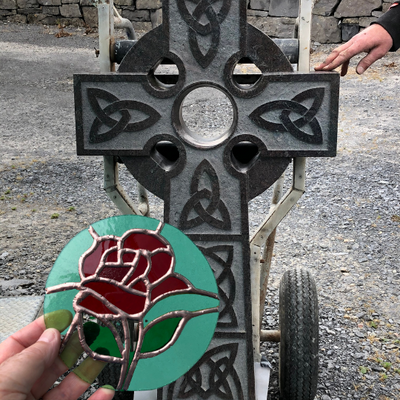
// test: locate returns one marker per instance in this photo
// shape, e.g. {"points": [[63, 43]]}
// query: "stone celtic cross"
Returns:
{"points": [[207, 185]]}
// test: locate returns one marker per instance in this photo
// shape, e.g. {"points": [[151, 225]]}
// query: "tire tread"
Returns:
{"points": [[298, 314]]}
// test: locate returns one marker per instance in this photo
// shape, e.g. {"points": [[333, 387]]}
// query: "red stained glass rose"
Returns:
{"points": [[127, 273]]}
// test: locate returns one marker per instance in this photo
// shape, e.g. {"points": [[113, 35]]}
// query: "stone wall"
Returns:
{"points": [[144, 14], [334, 21]]}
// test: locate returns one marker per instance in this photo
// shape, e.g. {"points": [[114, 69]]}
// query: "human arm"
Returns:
{"points": [[376, 41], [29, 364]]}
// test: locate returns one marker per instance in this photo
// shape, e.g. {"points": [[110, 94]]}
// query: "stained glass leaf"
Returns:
{"points": [[105, 339], [159, 335]]}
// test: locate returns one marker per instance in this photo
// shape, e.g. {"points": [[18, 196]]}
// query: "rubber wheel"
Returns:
{"points": [[298, 349]]}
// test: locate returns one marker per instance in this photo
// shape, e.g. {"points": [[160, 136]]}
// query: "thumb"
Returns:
{"points": [[20, 372]]}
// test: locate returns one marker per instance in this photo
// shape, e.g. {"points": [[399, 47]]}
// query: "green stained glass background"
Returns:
{"points": [[168, 366]]}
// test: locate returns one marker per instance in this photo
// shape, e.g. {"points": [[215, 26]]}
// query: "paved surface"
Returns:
{"points": [[16, 312], [40, 105]]}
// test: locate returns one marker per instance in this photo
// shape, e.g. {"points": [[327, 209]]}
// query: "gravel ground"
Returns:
{"points": [[345, 229]]}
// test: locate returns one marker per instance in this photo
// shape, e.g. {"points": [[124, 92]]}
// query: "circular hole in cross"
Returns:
{"points": [[164, 75], [246, 74], [207, 116]]}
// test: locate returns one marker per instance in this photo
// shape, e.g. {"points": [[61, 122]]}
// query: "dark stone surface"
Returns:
{"points": [[70, 11], [284, 8], [275, 27], [349, 30], [8, 4], [325, 30], [356, 8], [260, 4], [51, 10], [325, 7], [27, 11]]}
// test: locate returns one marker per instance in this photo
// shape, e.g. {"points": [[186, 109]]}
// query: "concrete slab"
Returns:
{"points": [[16, 312]]}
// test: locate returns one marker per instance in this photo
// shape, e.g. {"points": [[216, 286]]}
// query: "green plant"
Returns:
{"points": [[386, 365], [383, 376], [71, 208], [374, 324], [54, 216], [13, 208], [363, 370], [8, 191]]}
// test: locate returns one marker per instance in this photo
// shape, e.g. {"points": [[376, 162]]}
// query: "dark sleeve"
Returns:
{"points": [[391, 22]]}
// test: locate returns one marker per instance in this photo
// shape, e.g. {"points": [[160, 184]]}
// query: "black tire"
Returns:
{"points": [[298, 349]]}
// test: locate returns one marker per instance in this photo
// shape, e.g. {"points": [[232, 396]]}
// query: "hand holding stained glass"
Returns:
{"points": [[143, 296], [29, 363]]}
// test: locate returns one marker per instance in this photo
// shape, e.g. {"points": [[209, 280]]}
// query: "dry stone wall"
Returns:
{"points": [[334, 21], [145, 14]]}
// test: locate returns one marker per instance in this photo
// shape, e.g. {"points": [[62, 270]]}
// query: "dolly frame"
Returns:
{"points": [[264, 237]]}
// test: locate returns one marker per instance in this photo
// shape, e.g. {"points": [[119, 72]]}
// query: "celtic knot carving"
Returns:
{"points": [[226, 282], [204, 8], [213, 376], [205, 174], [287, 107], [124, 124]]}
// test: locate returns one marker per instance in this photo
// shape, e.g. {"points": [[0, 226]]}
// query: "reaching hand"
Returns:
{"points": [[374, 40], [29, 363]]}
